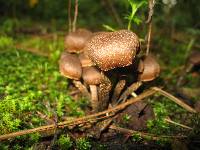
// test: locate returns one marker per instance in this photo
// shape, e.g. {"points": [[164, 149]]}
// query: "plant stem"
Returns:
{"points": [[75, 15]]}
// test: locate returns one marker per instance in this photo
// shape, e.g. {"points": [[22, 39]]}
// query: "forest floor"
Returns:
{"points": [[33, 93]]}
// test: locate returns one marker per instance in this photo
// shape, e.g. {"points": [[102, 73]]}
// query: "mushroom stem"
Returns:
{"points": [[117, 91], [104, 91], [81, 88], [129, 90], [94, 97]]}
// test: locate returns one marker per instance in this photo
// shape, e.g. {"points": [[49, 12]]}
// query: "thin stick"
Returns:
{"points": [[80, 120], [75, 16], [174, 99], [69, 16], [149, 38], [178, 124], [149, 22], [143, 134]]}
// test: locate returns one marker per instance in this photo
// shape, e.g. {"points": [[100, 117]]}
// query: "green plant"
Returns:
{"points": [[64, 142], [83, 144], [131, 17], [126, 118]]}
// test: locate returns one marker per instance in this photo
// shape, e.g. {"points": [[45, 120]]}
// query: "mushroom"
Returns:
{"points": [[75, 41], [113, 49], [109, 50], [70, 67], [150, 67], [92, 77], [85, 61]]}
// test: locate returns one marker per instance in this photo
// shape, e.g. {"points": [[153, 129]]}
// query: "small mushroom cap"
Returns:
{"points": [[70, 66], [85, 61], [194, 58], [109, 50], [75, 41], [92, 75], [151, 69]]}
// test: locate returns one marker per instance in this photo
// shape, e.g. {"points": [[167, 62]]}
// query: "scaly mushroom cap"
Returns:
{"points": [[112, 49], [75, 41], [194, 58], [92, 75], [151, 69], [85, 61], [70, 66]]}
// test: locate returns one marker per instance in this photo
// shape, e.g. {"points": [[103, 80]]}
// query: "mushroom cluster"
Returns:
{"points": [[101, 65]]}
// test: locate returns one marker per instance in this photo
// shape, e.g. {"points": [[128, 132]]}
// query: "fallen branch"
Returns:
{"points": [[178, 124]]}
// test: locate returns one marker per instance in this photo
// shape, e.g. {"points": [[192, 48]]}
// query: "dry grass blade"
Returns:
{"points": [[178, 124], [80, 120], [174, 99], [142, 134]]}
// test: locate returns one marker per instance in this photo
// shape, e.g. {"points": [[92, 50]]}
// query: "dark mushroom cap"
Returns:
{"points": [[151, 69], [70, 66], [75, 41], [85, 61], [92, 75], [112, 49], [194, 58]]}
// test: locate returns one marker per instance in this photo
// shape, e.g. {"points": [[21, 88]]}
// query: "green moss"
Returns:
{"points": [[83, 144], [64, 142], [28, 84]]}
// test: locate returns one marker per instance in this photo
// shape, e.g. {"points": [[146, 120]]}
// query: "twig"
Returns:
{"points": [[143, 134], [75, 16], [149, 22], [69, 16], [181, 125], [174, 99], [80, 120], [149, 38]]}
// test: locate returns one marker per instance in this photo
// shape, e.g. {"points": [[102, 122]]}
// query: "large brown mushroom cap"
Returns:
{"points": [[75, 41], [112, 49], [151, 69], [70, 66], [92, 76]]}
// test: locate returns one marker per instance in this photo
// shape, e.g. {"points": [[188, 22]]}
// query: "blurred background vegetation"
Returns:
{"points": [[32, 38]]}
